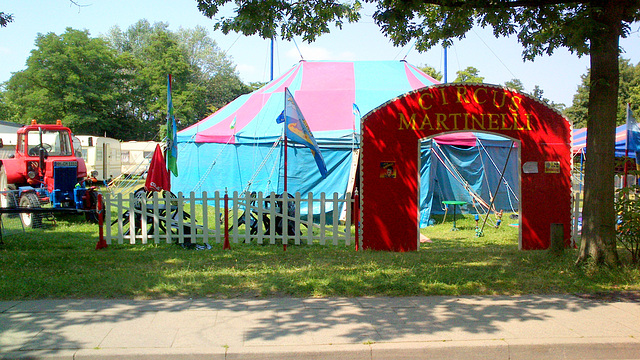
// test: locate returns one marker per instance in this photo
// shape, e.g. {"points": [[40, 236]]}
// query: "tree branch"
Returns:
{"points": [[496, 4]]}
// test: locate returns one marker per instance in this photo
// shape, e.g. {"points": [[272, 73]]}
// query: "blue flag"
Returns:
{"points": [[297, 130], [356, 111]]}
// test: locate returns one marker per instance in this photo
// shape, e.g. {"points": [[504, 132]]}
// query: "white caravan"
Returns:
{"points": [[136, 156], [102, 156]]}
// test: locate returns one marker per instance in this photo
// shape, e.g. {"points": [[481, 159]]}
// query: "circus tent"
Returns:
{"points": [[238, 149]]}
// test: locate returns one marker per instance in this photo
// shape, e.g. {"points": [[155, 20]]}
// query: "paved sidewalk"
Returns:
{"points": [[519, 327]]}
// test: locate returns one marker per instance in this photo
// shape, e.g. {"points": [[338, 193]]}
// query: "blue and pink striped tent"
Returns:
{"points": [[237, 149], [579, 142], [233, 148]]}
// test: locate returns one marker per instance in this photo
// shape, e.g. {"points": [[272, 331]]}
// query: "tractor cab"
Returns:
{"points": [[47, 162]]}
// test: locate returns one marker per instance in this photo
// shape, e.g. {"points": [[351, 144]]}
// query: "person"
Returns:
{"points": [[389, 173]]}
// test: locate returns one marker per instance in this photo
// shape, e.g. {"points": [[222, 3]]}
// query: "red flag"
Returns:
{"points": [[157, 176]]}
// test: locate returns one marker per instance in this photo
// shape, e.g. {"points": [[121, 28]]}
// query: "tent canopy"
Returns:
{"points": [[235, 148], [325, 91], [579, 141]]}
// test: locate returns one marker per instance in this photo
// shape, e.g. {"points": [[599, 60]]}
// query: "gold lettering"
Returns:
{"points": [[461, 92], [515, 123], [444, 97], [495, 100], [493, 121], [440, 121], [474, 121], [505, 125], [455, 117], [426, 121], [528, 121], [421, 102], [407, 124], [476, 98], [516, 104]]}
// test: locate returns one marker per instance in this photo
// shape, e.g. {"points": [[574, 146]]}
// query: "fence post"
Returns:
{"points": [[226, 245], [101, 242], [356, 217]]}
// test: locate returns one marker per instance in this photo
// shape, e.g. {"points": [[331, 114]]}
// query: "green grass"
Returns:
{"points": [[61, 262]]}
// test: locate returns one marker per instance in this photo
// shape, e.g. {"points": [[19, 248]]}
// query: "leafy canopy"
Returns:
{"points": [[541, 26], [117, 84]]}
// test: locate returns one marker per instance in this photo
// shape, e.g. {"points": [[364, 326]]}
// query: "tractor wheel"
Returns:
{"points": [[8, 198], [30, 220]]}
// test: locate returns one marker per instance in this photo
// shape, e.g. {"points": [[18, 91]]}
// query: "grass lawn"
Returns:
{"points": [[61, 262]]}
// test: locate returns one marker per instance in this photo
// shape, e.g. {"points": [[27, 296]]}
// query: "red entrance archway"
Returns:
{"points": [[390, 151]]}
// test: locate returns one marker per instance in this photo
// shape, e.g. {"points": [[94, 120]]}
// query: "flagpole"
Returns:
{"points": [[285, 139], [168, 146], [626, 150]]}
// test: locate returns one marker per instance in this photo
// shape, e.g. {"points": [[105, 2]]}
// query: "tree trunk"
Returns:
{"points": [[598, 232]]}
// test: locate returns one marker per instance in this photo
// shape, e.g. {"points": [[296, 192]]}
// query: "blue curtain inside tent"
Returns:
{"points": [[462, 173]]}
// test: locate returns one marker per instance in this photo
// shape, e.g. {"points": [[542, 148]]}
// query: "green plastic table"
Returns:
{"points": [[454, 203]]}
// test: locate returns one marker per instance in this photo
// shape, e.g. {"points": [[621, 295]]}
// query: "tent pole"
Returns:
{"points": [[445, 64], [497, 188], [285, 141], [271, 75], [626, 149]]}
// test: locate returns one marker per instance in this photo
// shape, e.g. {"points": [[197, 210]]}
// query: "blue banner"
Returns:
{"points": [[297, 130]]}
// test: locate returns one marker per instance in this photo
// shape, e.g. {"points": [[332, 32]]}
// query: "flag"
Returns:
{"points": [[297, 130], [633, 132], [157, 175], [356, 111], [172, 134]]}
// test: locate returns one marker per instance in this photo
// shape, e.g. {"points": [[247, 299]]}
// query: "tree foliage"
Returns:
{"points": [[537, 93], [515, 84], [431, 71], [5, 19], [584, 27], [70, 77], [117, 84], [469, 75], [629, 92]]}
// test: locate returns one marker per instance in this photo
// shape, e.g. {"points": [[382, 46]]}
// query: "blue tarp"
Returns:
{"points": [[470, 174]]}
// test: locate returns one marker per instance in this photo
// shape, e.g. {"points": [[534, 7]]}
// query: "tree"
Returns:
{"points": [[5, 19], [431, 72], [629, 92], [515, 84], [70, 77], [584, 27], [469, 75], [204, 78]]}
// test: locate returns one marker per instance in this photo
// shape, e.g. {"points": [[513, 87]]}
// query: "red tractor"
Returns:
{"points": [[45, 170]]}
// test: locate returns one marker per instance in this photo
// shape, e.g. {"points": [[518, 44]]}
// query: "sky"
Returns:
{"points": [[498, 60]]}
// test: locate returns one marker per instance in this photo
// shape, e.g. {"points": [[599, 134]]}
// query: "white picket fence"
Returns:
{"points": [[201, 219]]}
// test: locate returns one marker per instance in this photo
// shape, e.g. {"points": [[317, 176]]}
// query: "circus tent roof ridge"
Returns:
{"points": [[325, 91]]}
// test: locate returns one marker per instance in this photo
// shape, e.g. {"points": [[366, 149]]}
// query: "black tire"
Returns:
{"points": [[30, 220]]}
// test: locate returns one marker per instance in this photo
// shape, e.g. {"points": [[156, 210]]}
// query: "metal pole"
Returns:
{"points": [[271, 77], [497, 188]]}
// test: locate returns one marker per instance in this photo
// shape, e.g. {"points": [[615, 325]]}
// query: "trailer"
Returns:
{"points": [[102, 155], [136, 156], [9, 137]]}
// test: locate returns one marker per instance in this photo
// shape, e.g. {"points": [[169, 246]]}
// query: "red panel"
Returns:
{"points": [[390, 135]]}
